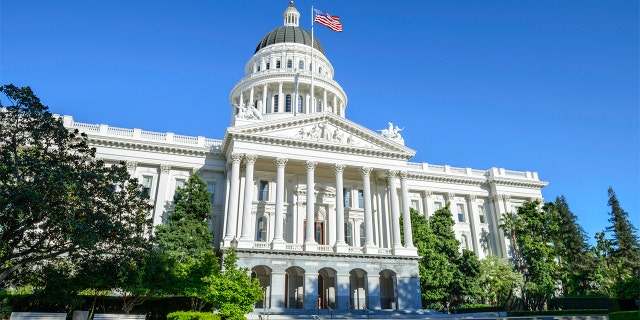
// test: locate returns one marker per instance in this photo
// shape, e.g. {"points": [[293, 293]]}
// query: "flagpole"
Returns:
{"points": [[312, 62]]}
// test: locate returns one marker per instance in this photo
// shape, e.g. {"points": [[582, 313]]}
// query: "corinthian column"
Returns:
{"points": [[232, 211], [245, 237], [341, 246], [406, 211], [369, 246], [278, 235], [310, 241], [393, 201]]}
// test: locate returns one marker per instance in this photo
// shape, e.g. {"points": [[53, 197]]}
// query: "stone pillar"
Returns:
{"points": [[343, 299], [428, 204], [474, 222], [246, 240], [373, 292], [161, 187], [264, 99], [251, 97], [341, 246], [324, 100], [406, 211], [278, 235], [335, 106], [280, 97], [369, 245], [498, 234], [310, 240], [393, 202], [310, 290], [277, 289], [232, 213]]}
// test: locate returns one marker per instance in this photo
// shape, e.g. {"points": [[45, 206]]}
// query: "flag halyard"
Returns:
{"points": [[327, 20]]}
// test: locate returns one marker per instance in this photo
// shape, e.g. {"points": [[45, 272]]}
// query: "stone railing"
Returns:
{"points": [[168, 137], [322, 248], [493, 172]]}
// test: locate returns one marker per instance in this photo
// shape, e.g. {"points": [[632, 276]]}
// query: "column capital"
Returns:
{"points": [[506, 196], [237, 157], [404, 175], [393, 174], [451, 196], [339, 167], [365, 171], [471, 197], [428, 193], [250, 158], [281, 162], [132, 165], [311, 165], [165, 168]]}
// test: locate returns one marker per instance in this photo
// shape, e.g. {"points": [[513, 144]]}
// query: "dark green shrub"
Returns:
{"points": [[558, 312], [625, 315], [192, 315]]}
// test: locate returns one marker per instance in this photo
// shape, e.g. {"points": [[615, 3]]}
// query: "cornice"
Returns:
{"points": [[518, 183], [141, 145], [442, 178]]}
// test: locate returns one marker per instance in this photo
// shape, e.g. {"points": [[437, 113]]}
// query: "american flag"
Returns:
{"points": [[325, 19]]}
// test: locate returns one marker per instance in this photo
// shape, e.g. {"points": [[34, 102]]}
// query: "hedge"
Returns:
{"points": [[192, 315], [625, 315], [559, 312]]}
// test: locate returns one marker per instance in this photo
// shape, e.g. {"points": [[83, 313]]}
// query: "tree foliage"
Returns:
{"points": [[625, 245], [500, 281], [56, 199]]}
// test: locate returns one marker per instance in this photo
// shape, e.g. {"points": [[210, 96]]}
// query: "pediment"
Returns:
{"points": [[319, 131]]}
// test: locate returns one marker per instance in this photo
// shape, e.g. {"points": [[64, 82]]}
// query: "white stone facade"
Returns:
{"points": [[338, 246]]}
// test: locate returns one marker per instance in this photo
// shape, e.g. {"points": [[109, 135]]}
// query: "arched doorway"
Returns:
{"points": [[327, 288], [294, 288], [388, 290], [263, 274], [358, 289]]}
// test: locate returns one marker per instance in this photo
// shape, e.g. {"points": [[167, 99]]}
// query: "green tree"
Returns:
{"points": [[56, 199], [499, 280], [466, 280], [626, 248], [605, 269], [575, 262], [232, 292]]}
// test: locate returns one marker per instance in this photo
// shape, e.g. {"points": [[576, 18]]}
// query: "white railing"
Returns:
{"points": [[355, 250], [153, 135], [261, 245], [521, 174], [384, 251], [458, 170], [86, 127], [122, 132], [325, 248], [293, 247]]}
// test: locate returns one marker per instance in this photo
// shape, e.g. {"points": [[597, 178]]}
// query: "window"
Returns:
{"points": [[268, 65], [289, 63], [261, 234], [319, 232], [360, 199], [300, 104], [362, 234], [258, 67], [437, 206], [460, 212], [275, 103], [310, 66], [277, 64], [179, 185], [263, 191], [415, 205], [320, 70], [146, 185], [301, 65], [347, 233], [347, 197], [319, 109], [211, 187], [287, 104], [483, 219], [464, 244]]}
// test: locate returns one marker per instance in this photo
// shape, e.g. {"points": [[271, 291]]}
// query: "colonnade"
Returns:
{"points": [[245, 239]]}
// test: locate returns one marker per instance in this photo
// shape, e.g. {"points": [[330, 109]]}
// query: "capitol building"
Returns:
{"points": [[311, 201]]}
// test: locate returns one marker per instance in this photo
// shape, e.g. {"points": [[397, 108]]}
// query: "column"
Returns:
{"points": [[241, 103], [246, 240], [280, 97], [310, 289], [264, 99], [343, 295], [474, 222], [373, 291], [341, 246], [324, 100], [131, 167], [278, 234], [393, 201], [427, 203], [369, 245], [498, 234], [251, 97], [406, 211], [232, 213], [277, 289], [310, 240], [335, 106], [161, 187]]}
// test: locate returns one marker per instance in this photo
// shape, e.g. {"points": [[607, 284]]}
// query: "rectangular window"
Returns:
{"points": [[211, 187], [179, 185], [415, 205], [146, 185], [360, 199], [276, 101], [437, 206], [460, 212], [263, 191], [346, 192], [483, 219]]}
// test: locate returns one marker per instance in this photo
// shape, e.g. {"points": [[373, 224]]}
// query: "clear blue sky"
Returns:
{"points": [[546, 86]]}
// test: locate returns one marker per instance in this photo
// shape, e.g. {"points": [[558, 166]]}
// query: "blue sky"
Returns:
{"points": [[546, 86]]}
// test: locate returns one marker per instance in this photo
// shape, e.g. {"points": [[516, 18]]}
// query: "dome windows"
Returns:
{"points": [[277, 64], [289, 64], [287, 105], [301, 65]]}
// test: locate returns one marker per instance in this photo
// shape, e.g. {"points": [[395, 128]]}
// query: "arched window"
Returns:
{"points": [[320, 70], [301, 65], [319, 109], [287, 105], [258, 67], [275, 103], [277, 64], [268, 65], [362, 234], [300, 104], [347, 234], [289, 63], [261, 232]]}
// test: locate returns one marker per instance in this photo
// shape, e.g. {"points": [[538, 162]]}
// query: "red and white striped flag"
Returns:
{"points": [[325, 19]]}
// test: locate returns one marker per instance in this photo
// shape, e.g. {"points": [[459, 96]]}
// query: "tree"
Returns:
{"points": [[605, 269], [626, 248], [499, 280], [56, 199], [186, 241], [575, 262]]}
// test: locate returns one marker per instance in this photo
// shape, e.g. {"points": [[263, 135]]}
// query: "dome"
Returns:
{"points": [[288, 34]]}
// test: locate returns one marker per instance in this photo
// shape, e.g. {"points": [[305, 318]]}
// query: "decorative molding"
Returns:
{"points": [[165, 168], [237, 157], [281, 162], [338, 168], [131, 165], [365, 171], [471, 197], [393, 174], [404, 175], [311, 165], [250, 159]]}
